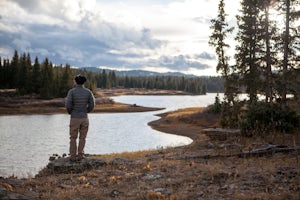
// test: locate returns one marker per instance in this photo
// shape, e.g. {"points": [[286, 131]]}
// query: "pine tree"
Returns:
{"points": [[247, 50], [29, 80], [66, 81], [268, 59], [218, 37], [290, 45], [6, 74], [103, 79], [2, 74], [22, 75], [13, 70], [47, 80], [266, 54], [36, 76], [218, 40], [112, 79]]}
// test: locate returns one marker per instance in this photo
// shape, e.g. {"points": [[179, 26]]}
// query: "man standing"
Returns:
{"points": [[79, 102]]}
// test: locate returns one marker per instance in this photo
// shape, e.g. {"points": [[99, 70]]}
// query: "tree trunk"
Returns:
{"points": [[269, 92], [286, 51]]}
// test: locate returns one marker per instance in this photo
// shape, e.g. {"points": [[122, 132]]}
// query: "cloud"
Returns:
{"points": [[138, 34], [181, 63], [206, 56], [79, 44], [203, 20], [64, 10], [23, 45]]}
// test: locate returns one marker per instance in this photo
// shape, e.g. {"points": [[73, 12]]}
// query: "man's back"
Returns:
{"points": [[80, 101]]}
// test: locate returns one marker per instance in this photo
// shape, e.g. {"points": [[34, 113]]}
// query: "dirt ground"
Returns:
{"points": [[209, 168]]}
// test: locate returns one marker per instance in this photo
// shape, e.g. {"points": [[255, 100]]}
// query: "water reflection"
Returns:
{"points": [[28, 140], [111, 133]]}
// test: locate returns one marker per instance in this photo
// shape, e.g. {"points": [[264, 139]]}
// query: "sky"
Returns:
{"points": [[154, 35]]}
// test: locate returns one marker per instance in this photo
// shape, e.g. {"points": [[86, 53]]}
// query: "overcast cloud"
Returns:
{"points": [[165, 35]]}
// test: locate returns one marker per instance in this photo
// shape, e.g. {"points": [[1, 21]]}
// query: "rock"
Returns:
{"points": [[115, 193], [3, 192], [121, 161], [99, 171], [221, 133], [64, 165], [51, 158], [6, 194], [162, 191], [15, 182], [210, 145], [13, 195], [152, 176]]}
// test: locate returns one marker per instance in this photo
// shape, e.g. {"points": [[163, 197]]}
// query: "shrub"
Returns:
{"points": [[263, 118], [217, 106], [230, 114]]}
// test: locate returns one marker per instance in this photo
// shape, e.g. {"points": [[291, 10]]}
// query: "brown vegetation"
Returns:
{"points": [[140, 91], [10, 104]]}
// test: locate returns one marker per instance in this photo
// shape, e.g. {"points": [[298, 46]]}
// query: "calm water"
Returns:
{"points": [[27, 141]]}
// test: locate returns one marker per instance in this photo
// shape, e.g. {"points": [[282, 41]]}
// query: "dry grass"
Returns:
{"points": [[120, 107], [183, 112], [129, 155], [44, 108], [138, 91], [275, 177], [31, 110]]}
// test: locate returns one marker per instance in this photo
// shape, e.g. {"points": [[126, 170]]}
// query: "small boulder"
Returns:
{"points": [[64, 165], [221, 133], [121, 161]]}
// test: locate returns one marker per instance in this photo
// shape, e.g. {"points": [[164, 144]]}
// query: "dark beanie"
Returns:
{"points": [[80, 79]]}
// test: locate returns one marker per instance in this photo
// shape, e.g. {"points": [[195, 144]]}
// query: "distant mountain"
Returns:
{"points": [[138, 72]]}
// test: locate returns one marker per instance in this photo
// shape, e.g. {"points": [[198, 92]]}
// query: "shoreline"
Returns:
{"points": [[10, 104], [51, 110], [187, 122], [208, 168]]}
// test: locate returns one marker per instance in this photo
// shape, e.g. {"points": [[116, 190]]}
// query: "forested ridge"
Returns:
{"points": [[49, 81]]}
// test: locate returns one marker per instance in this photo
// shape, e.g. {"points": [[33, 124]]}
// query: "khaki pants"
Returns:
{"points": [[81, 126]]}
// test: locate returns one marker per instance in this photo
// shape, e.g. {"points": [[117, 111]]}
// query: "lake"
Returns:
{"points": [[27, 141]]}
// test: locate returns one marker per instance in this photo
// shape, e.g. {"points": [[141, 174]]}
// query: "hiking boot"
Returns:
{"points": [[80, 158], [73, 159]]}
